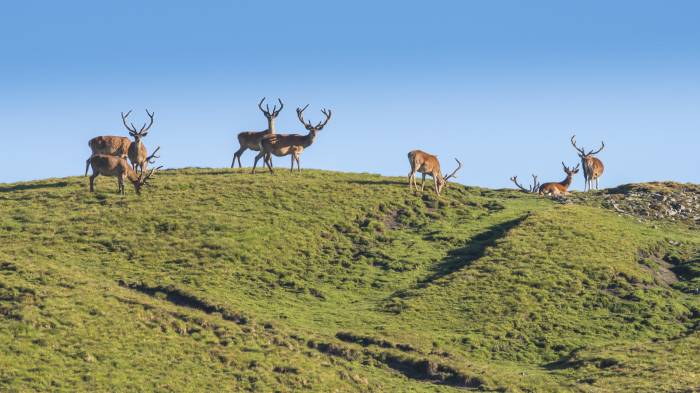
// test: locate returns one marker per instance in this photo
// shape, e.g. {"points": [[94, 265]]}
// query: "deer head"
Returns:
{"points": [[310, 127], [570, 171], [270, 115], [143, 178], [582, 152], [137, 135]]}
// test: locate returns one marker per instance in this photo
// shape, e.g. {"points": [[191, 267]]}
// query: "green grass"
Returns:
{"points": [[215, 280]]}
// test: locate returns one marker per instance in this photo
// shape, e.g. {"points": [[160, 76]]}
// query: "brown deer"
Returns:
{"points": [[290, 144], [115, 166], [533, 188], [428, 164], [251, 139], [562, 187], [137, 151], [592, 166], [108, 145]]}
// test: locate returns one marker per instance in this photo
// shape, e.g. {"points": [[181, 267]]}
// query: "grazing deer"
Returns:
{"points": [[108, 145], [428, 164], [137, 151], [251, 139], [114, 166], [535, 187], [290, 144], [562, 187], [592, 166]]}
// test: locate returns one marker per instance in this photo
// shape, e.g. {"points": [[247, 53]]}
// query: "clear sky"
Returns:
{"points": [[500, 84]]}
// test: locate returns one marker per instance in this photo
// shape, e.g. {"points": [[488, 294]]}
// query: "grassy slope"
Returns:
{"points": [[224, 281]]}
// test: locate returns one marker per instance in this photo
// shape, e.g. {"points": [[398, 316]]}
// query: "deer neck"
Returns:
{"points": [[131, 174], [567, 182], [309, 139], [271, 125]]}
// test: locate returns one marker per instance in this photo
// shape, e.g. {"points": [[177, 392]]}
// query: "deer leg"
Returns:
{"points": [[237, 155], [87, 165], [596, 183], [291, 170], [422, 183], [435, 183], [92, 182], [268, 162], [299, 163], [257, 158]]}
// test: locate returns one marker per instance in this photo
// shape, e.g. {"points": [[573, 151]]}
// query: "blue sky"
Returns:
{"points": [[500, 84]]}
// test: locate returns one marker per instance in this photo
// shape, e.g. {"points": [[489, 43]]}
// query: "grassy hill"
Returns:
{"points": [[214, 280]]}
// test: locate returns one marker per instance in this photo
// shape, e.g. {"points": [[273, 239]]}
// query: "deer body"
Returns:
{"points": [[251, 139], [427, 164], [108, 145], [290, 144], [562, 187], [592, 166]]}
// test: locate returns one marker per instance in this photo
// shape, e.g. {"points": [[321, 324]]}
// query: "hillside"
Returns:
{"points": [[219, 281]]}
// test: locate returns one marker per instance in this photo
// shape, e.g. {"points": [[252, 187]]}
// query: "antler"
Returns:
{"points": [[533, 188], [153, 156], [459, 166], [300, 115], [266, 111], [150, 173], [132, 128], [602, 146], [145, 128], [580, 149], [326, 113]]}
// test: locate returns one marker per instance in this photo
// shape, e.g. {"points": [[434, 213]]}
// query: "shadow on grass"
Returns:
{"points": [[473, 250], [376, 182], [22, 187]]}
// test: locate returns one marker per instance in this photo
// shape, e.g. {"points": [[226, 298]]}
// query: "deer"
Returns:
{"points": [[562, 187], [251, 139], [108, 145], [428, 164], [282, 145], [533, 188], [137, 151], [592, 166], [117, 166]]}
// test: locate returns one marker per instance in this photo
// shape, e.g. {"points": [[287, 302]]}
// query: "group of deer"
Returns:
{"points": [[110, 153], [268, 142], [592, 170]]}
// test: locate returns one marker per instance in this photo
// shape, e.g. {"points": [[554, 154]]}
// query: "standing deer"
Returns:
{"points": [[290, 144], [592, 166], [428, 164], [115, 166], [562, 187], [137, 151], [251, 139]]}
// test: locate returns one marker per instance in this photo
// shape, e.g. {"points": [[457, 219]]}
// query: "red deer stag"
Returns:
{"points": [[290, 144], [592, 166], [114, 166], [428, 164], [533, 188], [251, 139], [562, 187], [137, 151]]}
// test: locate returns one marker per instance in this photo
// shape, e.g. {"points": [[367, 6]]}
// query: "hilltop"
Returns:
{"points": [[215, 280]]}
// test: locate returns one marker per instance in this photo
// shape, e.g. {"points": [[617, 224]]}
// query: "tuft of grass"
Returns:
{"points": [[217, 280]]}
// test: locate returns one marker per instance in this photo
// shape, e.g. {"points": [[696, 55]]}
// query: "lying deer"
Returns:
{"points": [[137, 151], [428, 164], [290, 144], [114, 166], [251, 139], [562, 187], [592, 166]]}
